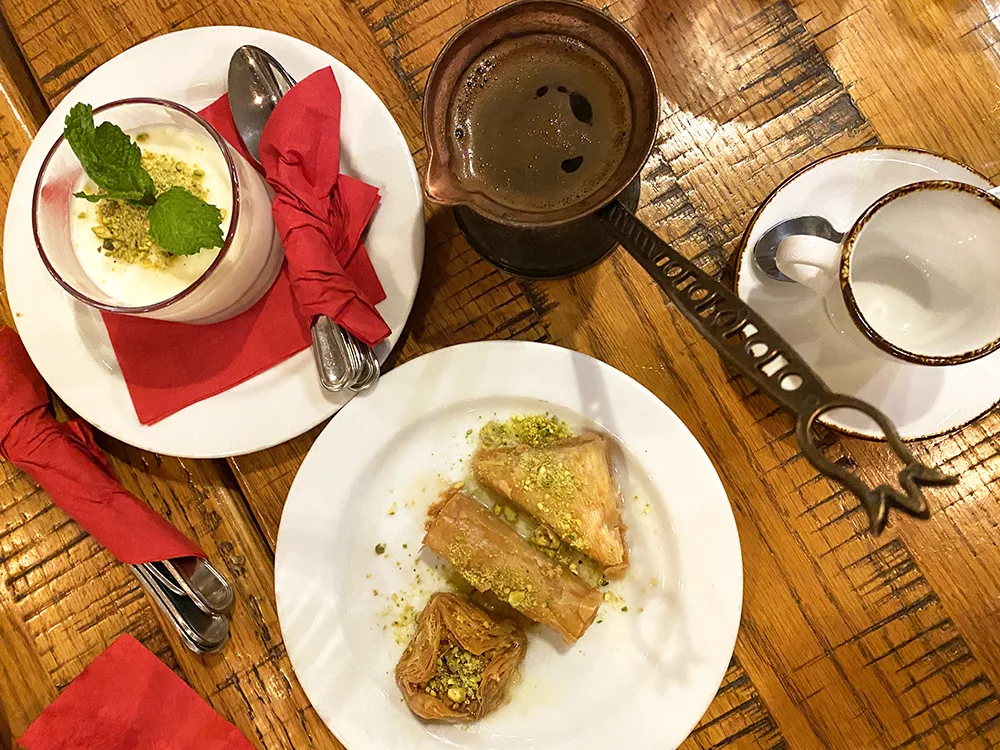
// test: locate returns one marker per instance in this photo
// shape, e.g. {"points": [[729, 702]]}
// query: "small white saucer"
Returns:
{"points": [[922, 401]]}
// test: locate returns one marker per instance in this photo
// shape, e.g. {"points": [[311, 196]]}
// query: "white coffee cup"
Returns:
{"points": [[918, 273]]}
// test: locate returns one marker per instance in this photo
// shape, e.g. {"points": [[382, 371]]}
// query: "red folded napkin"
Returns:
{"points": [[66, 462], [315, 208], [127, 699], [168, 366]]}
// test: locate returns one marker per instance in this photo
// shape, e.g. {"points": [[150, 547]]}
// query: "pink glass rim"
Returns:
{"points": [[233, 177]]}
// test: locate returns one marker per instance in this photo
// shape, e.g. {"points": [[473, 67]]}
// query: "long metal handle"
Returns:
{"points": [[332, 361], [745, 339], [343, 361]]}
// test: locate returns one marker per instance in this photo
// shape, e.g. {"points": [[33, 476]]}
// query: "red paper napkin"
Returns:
{"points": [[169, 366], [66, 462], [320, 213], [127, 699]]}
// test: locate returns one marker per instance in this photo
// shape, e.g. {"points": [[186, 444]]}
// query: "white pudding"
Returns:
{"points": [[136, 284]]}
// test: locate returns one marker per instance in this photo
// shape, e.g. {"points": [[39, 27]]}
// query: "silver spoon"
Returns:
{"points": [[256, 83], [765, 250], [365, 363], [162, 576], [201, 633], [201, 583], [196, 579]]}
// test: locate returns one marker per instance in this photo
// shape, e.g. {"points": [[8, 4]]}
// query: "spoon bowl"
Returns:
{"points": [[765, 250], [256, 83]]}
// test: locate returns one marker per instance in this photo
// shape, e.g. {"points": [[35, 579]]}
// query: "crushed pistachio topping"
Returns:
{"points": [[168, 172], [505, 512], [508, 584], [548, 477], [579, 564], [456, 677], [516, 599], [124, 229], [613, 599], [544, 537], [405, 623], [535, 430], [400, 615]]}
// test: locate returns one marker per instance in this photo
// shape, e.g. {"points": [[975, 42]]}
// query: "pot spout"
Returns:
{"points": [[441, 185]]}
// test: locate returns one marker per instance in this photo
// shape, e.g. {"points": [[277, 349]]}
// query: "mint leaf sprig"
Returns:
{"points": [[182, 223], [109, 157], [179, 221]]}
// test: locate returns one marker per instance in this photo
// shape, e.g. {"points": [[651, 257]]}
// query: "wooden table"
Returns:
{"points": [[847, 641]]}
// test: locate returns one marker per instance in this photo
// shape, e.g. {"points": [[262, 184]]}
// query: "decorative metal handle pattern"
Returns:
{"points": [[745, 339]]}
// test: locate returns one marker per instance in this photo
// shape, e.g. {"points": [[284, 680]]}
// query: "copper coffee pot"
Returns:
{"points": [[745, 339]]}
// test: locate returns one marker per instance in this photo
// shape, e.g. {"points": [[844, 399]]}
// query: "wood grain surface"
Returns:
{"points": [[847, 641]]}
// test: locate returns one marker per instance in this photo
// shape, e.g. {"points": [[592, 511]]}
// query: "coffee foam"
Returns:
{"points": [[518, 117]]}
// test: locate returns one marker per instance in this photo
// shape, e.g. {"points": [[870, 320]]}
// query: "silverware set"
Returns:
{"points": [[256, 83], [193, 596], [344, 362]]}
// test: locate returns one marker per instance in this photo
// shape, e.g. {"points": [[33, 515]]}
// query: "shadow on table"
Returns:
{"points": [[463, 298]]}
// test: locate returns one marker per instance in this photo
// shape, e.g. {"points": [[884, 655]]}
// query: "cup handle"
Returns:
{"points": [[809, 260]]}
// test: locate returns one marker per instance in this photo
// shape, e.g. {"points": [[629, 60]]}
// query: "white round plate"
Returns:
{"points": [[922, 401], [67, 340], [636, 679]]}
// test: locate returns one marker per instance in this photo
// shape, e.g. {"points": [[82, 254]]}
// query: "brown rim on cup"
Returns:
{"points": [[850, 300], [227, 242]]}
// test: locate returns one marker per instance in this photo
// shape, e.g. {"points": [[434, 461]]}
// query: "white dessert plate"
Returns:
{"points": [[67, 340], [923, 401], [640, 678]]}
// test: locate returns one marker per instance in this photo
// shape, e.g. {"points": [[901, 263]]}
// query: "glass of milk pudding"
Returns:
{"points": [[211, 285]]}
